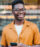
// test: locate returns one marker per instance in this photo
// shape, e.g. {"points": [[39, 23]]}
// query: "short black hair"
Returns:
{"points": [[16, 2]]}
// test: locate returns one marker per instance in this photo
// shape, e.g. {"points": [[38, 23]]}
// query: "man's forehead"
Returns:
{"points": [[19, 6]]}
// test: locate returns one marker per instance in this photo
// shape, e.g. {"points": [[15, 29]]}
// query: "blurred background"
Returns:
{"points": [[32, 12]]}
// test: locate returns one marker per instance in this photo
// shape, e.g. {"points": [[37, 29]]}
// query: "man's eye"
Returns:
{"points": [[16, 10]]}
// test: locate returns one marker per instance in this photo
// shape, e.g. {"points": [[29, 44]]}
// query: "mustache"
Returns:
{"points": [[22, 13]]}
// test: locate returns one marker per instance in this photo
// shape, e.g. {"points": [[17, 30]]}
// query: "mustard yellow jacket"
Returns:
{"points": [[29, 34]]}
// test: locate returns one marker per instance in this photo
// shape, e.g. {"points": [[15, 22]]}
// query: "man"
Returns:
{"points": [[20, 30]]}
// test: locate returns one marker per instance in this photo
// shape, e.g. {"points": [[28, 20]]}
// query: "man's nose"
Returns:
{"points": [[21, 12]]}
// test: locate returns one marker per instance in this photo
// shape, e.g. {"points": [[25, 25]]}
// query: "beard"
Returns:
{"points": [[18, 19]]}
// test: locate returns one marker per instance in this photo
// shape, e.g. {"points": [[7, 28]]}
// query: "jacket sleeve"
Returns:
{"points": [[3, 40], [36, 35]]}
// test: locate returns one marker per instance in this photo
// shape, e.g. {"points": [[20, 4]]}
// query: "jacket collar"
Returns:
{"points": [[26, 24]]}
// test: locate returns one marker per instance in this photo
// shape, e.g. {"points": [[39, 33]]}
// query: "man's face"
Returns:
{"points": [[19, 12]]}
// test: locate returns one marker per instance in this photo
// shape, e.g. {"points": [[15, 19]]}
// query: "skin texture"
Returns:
{"points": [[19, 15]]}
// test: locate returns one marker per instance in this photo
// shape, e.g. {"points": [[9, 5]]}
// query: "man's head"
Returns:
{"points": [[18, 9]]}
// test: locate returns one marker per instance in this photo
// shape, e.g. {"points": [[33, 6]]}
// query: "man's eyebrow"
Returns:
{"points": [[20, 8]]}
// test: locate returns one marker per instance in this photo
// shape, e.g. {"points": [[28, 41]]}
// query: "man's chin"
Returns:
{"points": [[19, 19]]}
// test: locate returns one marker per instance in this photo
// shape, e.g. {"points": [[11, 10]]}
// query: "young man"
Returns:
{"points": [[20, 30]]}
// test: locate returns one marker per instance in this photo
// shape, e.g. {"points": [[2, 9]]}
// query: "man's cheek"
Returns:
{"points": [[16, 13]]}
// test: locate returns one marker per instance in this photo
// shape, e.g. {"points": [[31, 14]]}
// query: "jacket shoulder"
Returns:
{"points": [[31, 24], [6, 27]]}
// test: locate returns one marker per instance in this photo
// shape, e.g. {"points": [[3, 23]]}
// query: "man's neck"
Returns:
{"points": [[19, 22]]}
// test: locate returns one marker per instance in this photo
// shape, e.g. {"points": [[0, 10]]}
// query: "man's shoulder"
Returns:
{"points": [[29, 22], [7, 26], [33, 25]]}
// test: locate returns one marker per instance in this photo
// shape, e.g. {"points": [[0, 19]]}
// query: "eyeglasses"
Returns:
{"points": [[18, 10]]}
